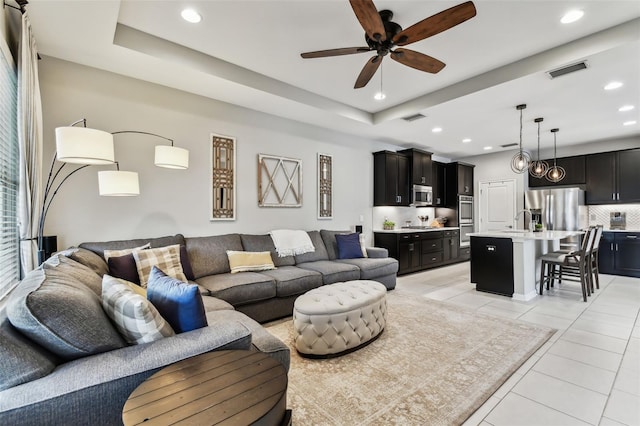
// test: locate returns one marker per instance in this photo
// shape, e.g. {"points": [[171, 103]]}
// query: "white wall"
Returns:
{"points": [[178, 201]]}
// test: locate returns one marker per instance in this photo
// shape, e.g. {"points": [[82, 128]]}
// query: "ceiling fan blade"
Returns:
{"points": [[335, 52], [369, 18], [368, 71], [436, 24], [417, 60]]}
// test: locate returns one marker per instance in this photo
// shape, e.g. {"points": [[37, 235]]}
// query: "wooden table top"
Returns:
{"points": [[216, 388]]}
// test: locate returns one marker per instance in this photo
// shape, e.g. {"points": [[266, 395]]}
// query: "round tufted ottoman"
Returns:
{"points": [[338, 318]]}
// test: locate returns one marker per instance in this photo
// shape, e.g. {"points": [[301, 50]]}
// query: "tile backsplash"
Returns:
{"points": [[599, 215], [400, 215]]}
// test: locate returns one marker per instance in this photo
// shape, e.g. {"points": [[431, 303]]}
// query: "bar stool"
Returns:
{"points": [[570, 266], [593, 265]]}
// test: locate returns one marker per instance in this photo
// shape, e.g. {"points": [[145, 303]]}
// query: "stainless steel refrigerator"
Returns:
{"points": [[558, 209]]}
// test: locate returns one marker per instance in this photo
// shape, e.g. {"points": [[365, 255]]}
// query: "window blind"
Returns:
{"points": [[9, 238]]}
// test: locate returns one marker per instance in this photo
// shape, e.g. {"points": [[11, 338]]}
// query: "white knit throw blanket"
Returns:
{"points": [[291, 243]]}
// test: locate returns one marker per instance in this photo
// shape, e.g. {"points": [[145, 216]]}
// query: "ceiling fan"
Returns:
{"points": [[382, 36]]}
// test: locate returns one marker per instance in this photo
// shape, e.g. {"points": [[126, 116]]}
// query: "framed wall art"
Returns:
{"points": [[223, 177], [325, 186], [279, 181]]}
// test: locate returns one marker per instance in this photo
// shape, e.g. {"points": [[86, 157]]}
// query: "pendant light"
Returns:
{"points": [[520, 161], [538, 168], [555, 173]]}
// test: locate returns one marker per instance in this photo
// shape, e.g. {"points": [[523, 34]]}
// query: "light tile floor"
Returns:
{"points": [[588, 373]]}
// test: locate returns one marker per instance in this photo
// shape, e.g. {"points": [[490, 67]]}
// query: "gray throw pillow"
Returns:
{"points": [[87, 258], [60, 267], [62, 315]]}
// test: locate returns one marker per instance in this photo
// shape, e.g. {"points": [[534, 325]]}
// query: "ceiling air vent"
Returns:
{"points": [[568, 69], [509, 145], [413, 117]]}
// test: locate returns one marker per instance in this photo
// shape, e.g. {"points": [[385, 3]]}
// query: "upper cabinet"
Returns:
{"points": [[612, 177], [438, 171], [390, 179], [420, 167], [458, 181], [573, 166]]}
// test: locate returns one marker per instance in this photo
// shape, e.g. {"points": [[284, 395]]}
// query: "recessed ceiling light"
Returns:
{"points": [[436, 129], [626, 108], [613, 85], [466, 140], [191, 15], [379, 96], [487, 148], [629, 123], [572, 16]]}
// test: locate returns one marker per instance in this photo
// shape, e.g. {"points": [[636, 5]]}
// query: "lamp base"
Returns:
{"points": [[49, 246]]}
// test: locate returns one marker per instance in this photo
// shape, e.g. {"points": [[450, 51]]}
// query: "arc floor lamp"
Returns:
{"points": [[84, 147]]}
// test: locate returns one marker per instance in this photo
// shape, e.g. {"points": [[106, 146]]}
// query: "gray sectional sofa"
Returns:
{"points": [[87, 375]]}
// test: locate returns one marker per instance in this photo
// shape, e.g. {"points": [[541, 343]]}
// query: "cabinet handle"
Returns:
{"points": [[618, 196], [411, 247], [612, 249], [416, 236], [616, 246], [613, 196], [633, 237], [423, 179], [433, 259]]}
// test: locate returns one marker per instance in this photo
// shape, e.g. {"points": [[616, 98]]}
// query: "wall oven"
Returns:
{"points": [[465, 230], [465, 209]]}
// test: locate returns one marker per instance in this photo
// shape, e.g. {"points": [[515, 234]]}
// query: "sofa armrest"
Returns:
{"points": [[93, 390], [377, 252]]}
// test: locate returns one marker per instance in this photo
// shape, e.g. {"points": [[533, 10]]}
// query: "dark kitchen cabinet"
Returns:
{"points": [[420, 167], [575, 168], [458, 181], [612, 177], [451, 246], [619, 253], [438, 170], [390, 179]]}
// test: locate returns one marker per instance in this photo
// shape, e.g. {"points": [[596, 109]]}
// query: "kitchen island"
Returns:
{"points": [[493, 259]]}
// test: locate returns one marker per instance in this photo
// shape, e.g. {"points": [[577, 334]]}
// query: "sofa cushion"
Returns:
{"points": [[186, 263], [137, 320], [319, 254], [108, 253], [100, 247], [61, 266], [371, 268], [88, 258], [208, 255], [61, 314], [249, 261], [329, 240], [332, 272], [265, 243], [21, 360], [291, 280], [214, 304], [178, 302], [167, 259], [240, 288], [348, 246]]}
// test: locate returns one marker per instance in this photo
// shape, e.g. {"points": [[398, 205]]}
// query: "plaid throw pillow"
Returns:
{"points": [[137, 320], [167, 259]]}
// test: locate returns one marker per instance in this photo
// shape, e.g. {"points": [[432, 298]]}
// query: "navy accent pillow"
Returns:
{"points": [[348, 246], [180, 304], [124, 267]]}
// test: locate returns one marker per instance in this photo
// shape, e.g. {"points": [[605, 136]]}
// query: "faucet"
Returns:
{"points": [[531, 225]]}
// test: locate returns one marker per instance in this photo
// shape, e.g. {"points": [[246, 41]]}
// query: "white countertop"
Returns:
{"points": [[621, 230], [526, 235], [412, 230]]}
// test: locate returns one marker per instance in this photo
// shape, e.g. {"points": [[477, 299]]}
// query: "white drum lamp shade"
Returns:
{"points": [[82, 145], [171, 157], [117, 183]]}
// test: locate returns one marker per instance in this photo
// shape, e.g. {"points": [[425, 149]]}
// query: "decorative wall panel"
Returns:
{"points": [[325, 186], [279, 181], [223, 177]]}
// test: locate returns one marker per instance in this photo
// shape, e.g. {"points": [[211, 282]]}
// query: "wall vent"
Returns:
{"points": [[414, 117], [509, 145], [568, 69]]}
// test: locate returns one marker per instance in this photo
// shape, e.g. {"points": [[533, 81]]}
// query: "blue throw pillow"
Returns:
{"points": [[348, 246], [179, 303]]}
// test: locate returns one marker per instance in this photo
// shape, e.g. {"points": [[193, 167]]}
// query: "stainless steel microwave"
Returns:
{"points": [[422, 195]]}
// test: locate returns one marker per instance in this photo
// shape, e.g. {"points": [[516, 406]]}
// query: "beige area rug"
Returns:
{"points": [[434, 364]]}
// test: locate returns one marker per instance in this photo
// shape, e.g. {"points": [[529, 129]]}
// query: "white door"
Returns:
{"points": [[497, 206]]}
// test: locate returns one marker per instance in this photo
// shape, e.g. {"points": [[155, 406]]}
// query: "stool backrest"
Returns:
{"points": [[588, 240], [598, 236]]}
